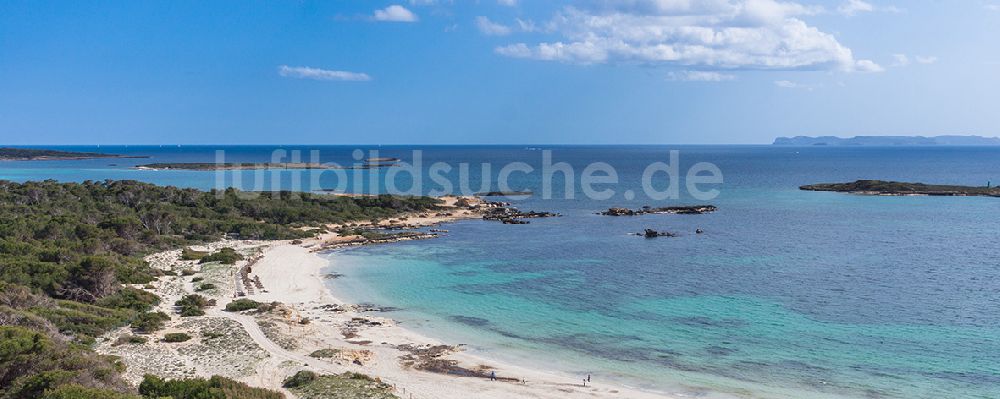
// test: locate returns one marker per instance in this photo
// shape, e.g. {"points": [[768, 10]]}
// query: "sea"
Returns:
{"points": [[784, 294]]}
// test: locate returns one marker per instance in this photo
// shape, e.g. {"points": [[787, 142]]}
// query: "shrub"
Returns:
{"points": [[190, 254], [131, 339], [205, 287], [147, 323], [188, 272], [225, 255], [130, 298], [324, 353], [176, 337], [242, 304], [73, 391], [199, 388], [300, 378], [193, 305]]}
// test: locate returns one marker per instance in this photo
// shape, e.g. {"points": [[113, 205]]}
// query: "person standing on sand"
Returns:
{"points": [[493, 375]]}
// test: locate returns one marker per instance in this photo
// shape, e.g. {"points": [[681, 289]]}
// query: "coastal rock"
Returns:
{"points": [[511, 215], [650, 233], [677, 210]]}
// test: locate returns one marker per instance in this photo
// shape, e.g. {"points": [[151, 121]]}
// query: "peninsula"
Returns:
{"points": [[204, 166], [32, 154], [888, 141], [880, 187]]}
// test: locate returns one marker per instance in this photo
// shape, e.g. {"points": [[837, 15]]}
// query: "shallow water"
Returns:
{"points": [[786, 294]]}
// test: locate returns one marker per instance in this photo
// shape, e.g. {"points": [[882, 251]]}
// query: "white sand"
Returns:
{"points": [[292, 275]]}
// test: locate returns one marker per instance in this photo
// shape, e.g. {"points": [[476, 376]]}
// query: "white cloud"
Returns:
{"points": [[321, 74], [901, 60], [508, 3], [699, 76], [731, 34], [867, 66], [394, 13], [491, 28], [852, 7], [992, 7], [788, 84], [526, 25]]}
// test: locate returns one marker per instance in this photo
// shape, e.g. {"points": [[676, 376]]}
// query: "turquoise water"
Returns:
{"points": [[788, 294]]}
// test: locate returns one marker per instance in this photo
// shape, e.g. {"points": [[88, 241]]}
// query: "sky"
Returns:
{"points": [[494, 71]]}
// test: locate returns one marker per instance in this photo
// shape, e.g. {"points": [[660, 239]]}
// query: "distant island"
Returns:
{"points": [[880, 187], [887, 141], [203, 166], [31, 154]]}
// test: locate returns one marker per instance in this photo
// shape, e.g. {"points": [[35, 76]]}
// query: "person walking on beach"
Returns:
{"points": [[493, 375], [588, 377]]}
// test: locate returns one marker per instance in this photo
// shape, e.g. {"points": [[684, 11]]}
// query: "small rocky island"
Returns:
{"points": [[32, 154], [506, 214], [881, 187], [646, 210]]}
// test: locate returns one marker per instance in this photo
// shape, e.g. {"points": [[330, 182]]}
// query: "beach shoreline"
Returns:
{"points": [[264, 348]]}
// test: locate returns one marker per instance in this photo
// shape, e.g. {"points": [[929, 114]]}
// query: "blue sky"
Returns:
{"points": [[494, 72]]}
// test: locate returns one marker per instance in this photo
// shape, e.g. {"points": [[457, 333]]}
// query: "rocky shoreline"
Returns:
{"points": [[648, 210]]}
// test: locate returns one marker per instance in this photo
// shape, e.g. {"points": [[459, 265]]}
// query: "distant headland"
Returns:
{"points": [[880, 187], [32, 154], [888, 141]]}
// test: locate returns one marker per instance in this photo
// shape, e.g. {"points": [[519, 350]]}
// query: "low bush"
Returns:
{"points": [[193, 305], [190, 254], [301, 378], [242, 304], [150, 322], [225, 255], [176, 337], [205, 287]]}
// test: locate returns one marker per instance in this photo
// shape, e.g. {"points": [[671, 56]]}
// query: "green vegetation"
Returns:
{"points": [[367, 234], [308, 385], [131, 339], [31, 362], [300, 378], [190, 254], [225, 255], [150, 322], [242, 304], [324, 353], [73, 391], [200, 388], [193, 305], [881, 187], [176, 337], [66, 249], [205, 287], [29, 154]]}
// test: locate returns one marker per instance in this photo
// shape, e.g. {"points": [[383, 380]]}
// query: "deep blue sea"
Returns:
{"points": [[787, 294]]}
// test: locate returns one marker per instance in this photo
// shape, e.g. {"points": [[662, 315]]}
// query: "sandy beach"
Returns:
{"points": [[264, 348]]}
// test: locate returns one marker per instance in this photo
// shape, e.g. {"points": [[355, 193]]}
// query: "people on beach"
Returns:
{"points": [[493, 375]]}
